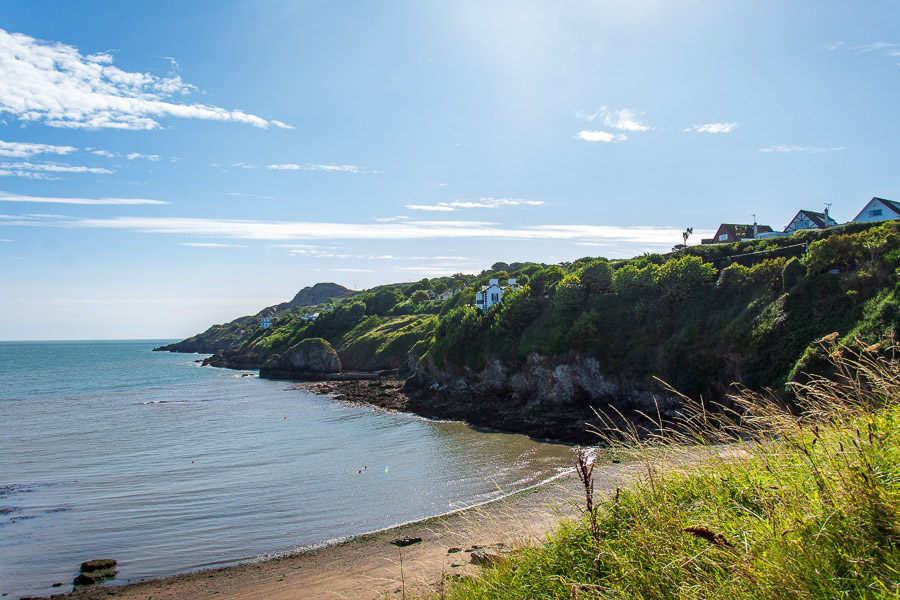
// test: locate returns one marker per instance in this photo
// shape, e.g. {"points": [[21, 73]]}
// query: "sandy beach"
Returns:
{"points": [[369, 566]]}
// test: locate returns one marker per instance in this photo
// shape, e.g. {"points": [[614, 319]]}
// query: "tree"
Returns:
{"points": [[419, 296], [686, 234], [597, 276]]}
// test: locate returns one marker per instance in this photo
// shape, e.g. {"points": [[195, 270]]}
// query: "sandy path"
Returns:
{"points": [[368, 567]]}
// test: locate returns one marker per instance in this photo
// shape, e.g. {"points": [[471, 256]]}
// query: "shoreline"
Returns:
{"points": [[368, 566]]}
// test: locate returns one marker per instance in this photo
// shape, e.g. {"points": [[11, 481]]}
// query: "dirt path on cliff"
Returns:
{"points": [[369, 567]]}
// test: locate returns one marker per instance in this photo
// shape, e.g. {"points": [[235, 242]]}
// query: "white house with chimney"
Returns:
{"points": [[808, 219], [492, 293]]}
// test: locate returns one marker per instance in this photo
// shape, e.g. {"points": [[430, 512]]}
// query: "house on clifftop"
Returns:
{"points": [[492, 293], [807, 219], [732, 232], [878, 209]]}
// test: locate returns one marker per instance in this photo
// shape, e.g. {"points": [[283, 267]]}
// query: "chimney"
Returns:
{"points": [[493, 282], [512, 281]]}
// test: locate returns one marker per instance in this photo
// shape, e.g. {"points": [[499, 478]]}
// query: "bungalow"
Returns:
{"points": [[492, 293], [807, 219], [878, 209], [731, 232]]}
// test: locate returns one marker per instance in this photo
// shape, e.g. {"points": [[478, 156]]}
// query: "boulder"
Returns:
{"points": [[95, 571]]}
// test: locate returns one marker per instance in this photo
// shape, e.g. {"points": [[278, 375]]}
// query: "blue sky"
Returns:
{"points": [[165, 166]]}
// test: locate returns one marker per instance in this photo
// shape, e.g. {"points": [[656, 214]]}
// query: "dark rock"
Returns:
{"points": [[232, 359], [491, 556], [543, 398], [310, 359], [407, 541], [453, 550], [98, 564]]}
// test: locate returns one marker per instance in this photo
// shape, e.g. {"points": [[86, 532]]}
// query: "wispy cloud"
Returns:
{"points": [[712, 128], [27, 150], [211, 245], [55, 84], [600, 136], [105, 153], [5, 197], [318, 167], [390, 219], [40, 170], [150, 157], [480, 203], [623, 119], [243, 195], [304, 230], [809, 149]]}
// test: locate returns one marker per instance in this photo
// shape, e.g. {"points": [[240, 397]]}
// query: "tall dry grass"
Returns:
{"points": [[754, 498]]}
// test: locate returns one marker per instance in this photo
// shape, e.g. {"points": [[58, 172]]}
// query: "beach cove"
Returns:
{"points": [[368, 567], [114, 451]]}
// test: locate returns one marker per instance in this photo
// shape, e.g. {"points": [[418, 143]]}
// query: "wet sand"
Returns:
{"points": [[368, 567]]}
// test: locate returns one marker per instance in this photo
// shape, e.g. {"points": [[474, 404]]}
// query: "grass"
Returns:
{"points": [[753, 500]]}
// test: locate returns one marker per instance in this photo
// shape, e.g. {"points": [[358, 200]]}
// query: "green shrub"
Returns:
{"points": [[793, 273]]}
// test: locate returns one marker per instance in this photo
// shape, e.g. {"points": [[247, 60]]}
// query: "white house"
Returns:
{"points": [[807, 219], [492, 293], [878, 209]]}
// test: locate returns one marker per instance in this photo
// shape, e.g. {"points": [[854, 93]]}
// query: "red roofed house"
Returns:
{"points": [[731, 232]]}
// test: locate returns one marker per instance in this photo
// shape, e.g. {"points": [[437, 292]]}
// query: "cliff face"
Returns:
{"points": [[313, 358], [544, 398]]}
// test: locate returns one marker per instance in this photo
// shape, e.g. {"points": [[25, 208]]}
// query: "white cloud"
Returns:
{"points": [[26, 149], [431, 207], [713, 128], [55, 84], [810, 149], [5, 197], [313, 167], [623, 119], [480, 203], [301, 230], [150, 157], [600, 136], [23, 169], [105, 153]]}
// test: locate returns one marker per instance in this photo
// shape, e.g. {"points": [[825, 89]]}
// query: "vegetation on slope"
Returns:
{"points": [[798, 505], [699, 319]]}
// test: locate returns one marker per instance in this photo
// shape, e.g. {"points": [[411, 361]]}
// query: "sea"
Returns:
{"points": [[111, 450]]}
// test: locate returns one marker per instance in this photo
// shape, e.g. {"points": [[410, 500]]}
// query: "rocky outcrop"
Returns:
{"points": [[312, 358], [232, 359], [543, 398], [320, 293]]}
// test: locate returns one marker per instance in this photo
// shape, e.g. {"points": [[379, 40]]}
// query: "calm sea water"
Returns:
{"points": [[109, 450]]}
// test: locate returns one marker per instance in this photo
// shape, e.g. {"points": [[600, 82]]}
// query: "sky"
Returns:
{"points": [[167, 165]]}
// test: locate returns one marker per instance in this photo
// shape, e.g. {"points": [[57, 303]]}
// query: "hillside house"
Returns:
{"points": [[732, 232], [807, 219], [878, 209], [492, 293], [265, 322]]}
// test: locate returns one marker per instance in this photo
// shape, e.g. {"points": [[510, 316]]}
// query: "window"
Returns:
{"points": [[495, 297], [875, 213], [723, 237]]}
